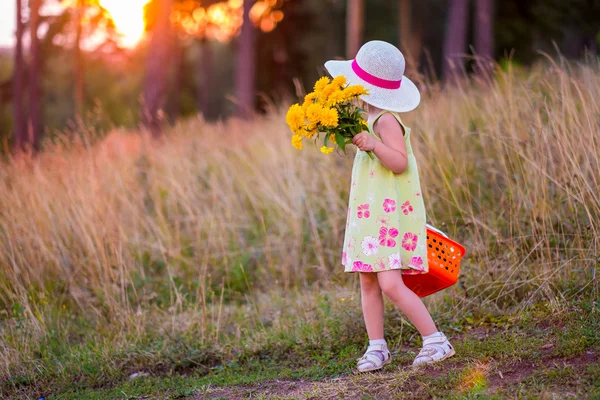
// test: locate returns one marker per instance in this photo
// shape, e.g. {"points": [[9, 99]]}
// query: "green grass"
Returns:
{"points": [[548, 348]]}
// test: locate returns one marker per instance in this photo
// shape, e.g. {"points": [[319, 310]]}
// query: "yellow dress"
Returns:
{"points": [[385, 228]]}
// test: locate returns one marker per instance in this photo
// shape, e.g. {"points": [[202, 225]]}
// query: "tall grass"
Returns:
{"points": [[223, 237]]}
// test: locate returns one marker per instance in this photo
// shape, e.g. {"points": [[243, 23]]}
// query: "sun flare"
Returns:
{"points": [[128, 17]]}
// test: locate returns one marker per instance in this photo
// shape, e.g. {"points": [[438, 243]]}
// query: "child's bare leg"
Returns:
{"points": [[436, 346], [372, 304], [377, 354], [406, 300]]}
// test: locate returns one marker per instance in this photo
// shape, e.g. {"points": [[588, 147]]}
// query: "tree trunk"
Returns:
{"points": [[573, 41], [484, 36], [246, 64], [591, 47], [354, 26], [404, 25], [203, 78], [455, 43], [410, 36], [18, 82], [178, 71], [35, 117], [157, 69], [79, 77], [416, 48]]}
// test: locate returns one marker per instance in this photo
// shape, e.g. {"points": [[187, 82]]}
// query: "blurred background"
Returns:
{"points": [[110, 63]]}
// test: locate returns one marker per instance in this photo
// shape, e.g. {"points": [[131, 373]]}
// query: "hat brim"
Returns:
{"points": [[404, 99]]}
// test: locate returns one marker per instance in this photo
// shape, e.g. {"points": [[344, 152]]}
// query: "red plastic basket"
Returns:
{"points": [[443, 257]]}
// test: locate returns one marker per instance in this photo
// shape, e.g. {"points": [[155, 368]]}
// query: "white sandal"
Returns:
{"points": [[376, 357], [434, 349]]}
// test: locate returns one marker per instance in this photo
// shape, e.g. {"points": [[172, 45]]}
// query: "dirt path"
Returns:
{"points": [[554, 377]]}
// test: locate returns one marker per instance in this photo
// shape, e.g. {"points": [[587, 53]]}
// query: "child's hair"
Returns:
{"points": [[364, 105]]}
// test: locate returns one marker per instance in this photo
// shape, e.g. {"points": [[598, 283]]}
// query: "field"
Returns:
{"points": [[207, 265]]}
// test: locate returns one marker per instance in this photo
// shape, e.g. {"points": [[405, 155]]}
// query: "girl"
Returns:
{"points": [[385, 232]]}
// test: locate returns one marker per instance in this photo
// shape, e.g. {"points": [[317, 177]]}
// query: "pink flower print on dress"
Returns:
{"points": [[363, 211], [383, 220], [380, 264], [389, 205], [351, 245], [418, 194], [394, 261], [409, 241], [372, 173], [387, 236], [359, 266], [369, 246], [417, 263], [344, 258], [407, 208]]}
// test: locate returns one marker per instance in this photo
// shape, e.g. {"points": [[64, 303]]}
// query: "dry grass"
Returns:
{"points": [[225, 232]]}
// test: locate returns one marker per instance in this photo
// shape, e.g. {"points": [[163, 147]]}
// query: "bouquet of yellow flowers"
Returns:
{"points": [[330, 110]]}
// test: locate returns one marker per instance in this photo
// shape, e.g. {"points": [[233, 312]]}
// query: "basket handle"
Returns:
{"points": [[436, 230]]}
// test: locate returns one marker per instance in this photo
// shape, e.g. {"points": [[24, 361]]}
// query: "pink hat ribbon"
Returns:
{"points": [[373, 80]]}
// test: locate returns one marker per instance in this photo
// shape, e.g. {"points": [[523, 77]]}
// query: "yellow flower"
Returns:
{"points": [[362, 122], [321, 83], [355, 90], [311, 131], [326, 92], [332, 138], [308, 100], [335, 93], [336, 97], [313, 113], [339, 81], [326, 150], [295, 117], [297, 142], [344, 95], [329, 117]]}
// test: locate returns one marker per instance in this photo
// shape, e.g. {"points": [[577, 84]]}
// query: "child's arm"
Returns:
{"points": [[391, 151]]}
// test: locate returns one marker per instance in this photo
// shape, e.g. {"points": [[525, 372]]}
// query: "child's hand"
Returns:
{"points": [[364, 141]]}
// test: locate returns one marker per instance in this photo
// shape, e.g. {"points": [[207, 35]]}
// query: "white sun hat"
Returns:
{"points": [[379, 67]]}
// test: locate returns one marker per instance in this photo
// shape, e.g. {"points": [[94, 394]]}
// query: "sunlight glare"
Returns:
{"points": [[128, 17]]}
